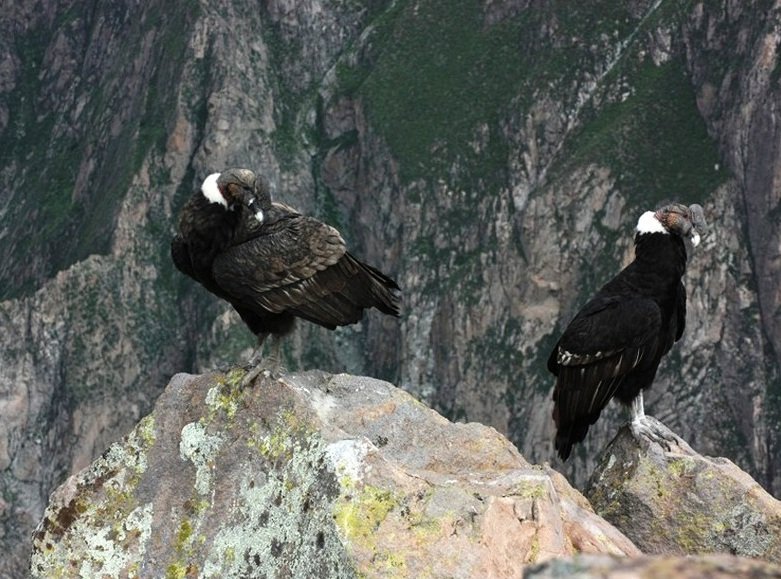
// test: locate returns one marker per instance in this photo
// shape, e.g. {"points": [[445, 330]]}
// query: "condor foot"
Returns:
{"points": [[253, 373], [652, 431], [270, 368]]}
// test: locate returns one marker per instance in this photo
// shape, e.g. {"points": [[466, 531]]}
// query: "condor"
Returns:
{"points": [[271, 263], [613, 346]]}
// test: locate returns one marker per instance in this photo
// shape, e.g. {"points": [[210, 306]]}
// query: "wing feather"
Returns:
{"points": [[608, 340], [180, 254], [302, 267]]}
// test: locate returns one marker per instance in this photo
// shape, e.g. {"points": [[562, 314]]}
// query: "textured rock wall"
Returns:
{"points": [[493, 157]]}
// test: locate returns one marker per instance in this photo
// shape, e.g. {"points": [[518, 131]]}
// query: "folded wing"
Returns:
{"points": [[301, 266], [611, 340]]}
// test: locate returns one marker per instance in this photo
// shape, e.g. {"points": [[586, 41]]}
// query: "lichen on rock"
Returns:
{"points": [[319, 476], [678, 501], [100, 514]]}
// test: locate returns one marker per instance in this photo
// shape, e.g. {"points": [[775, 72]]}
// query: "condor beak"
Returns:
{"points": [[251, 203], [699, 225]]}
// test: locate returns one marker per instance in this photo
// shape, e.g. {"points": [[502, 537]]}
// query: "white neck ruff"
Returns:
{"points": [[648, 223], [211, 191]]}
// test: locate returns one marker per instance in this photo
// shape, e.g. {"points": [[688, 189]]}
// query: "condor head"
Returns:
{"points": [[236, 187], [687, 222]]}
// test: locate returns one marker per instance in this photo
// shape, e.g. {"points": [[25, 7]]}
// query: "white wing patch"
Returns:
{"points": [[565, 358]]}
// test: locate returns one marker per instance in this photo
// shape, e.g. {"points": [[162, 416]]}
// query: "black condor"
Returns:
{"points": [[613, 346]]}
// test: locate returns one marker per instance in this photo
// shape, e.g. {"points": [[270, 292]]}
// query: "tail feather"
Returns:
{"points": [[572, 418], [569, 436], [384, 292]]}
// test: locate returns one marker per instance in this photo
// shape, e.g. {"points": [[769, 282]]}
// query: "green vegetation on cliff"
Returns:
{"points": [[63, 210]]}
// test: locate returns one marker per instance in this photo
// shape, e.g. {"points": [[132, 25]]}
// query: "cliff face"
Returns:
{"points": [[516, 199], [493, 157]]}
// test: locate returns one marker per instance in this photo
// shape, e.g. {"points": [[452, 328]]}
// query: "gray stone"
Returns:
{"points": [[310, 475], [680, 502], [695, 567]]}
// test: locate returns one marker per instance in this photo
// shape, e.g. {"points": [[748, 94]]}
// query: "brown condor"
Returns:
{"points": [[271, 263]]}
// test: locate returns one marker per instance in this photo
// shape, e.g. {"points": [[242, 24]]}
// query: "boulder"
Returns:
{"points": [[677, 501], [311, 475], [694, 567]]}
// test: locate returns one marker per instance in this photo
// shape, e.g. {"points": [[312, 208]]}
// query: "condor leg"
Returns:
{"points": [[648, 428]]}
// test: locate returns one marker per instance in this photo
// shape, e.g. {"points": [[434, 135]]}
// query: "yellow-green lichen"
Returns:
{"points": [[176, 571], [680, 466], [186, 543], [534, 550], [391, 564], [229, 555], [225, 398], [288, 433], [104, 520], [183, 535], [532, 489], [146, 431], [692, 531], [359, 516], [426, 527]]}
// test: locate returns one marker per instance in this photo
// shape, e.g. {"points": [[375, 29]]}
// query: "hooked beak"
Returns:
{"points": [[251, 203], [699, 225]]}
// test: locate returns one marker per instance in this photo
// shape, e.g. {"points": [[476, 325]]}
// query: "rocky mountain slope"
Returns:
{"points": [[493, 157]]}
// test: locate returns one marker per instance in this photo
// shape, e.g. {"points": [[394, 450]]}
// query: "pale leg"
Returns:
{"points": [[255, 362], [637, 410], [649, 428]]}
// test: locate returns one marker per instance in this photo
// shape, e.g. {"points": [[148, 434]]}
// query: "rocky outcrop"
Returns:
{"points": [[604, 567], [677, 501], [318, 475]]}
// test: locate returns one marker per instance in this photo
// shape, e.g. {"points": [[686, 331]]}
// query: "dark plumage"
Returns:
{"points": [[613, 346], [272, 263]]}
